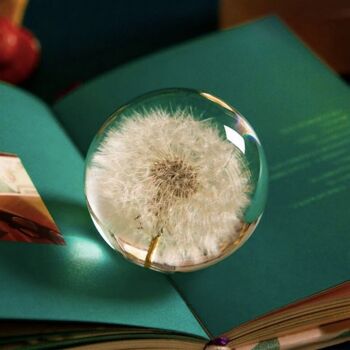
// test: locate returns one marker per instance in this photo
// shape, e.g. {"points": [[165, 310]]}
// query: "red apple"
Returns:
{"points": [[8, 40], [21, 52]]}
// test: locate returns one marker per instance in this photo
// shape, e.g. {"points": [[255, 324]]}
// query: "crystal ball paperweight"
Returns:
{"points": [[176, 180]]}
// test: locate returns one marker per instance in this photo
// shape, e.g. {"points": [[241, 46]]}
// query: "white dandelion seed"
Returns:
{"points": [[171, 180]]}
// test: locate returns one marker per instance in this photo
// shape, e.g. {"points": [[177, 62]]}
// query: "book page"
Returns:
{"points": [[300, 111], [83, 280]]}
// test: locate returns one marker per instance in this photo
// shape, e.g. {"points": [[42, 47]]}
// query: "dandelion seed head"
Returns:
{"points": [[166, 174]]}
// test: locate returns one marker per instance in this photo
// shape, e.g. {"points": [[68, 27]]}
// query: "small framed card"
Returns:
{"points": [[23, 214]]}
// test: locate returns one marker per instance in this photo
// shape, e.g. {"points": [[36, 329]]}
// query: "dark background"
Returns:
{"points": [[83, 38]]}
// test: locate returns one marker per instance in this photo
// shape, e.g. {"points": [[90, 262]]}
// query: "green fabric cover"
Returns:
{"points": [[84, 280], [272, 79]]}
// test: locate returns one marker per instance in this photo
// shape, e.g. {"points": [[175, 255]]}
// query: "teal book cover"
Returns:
{"points": [[300, 110]]}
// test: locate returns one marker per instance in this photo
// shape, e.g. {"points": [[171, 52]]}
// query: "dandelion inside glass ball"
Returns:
{"points": [[176, 180]]}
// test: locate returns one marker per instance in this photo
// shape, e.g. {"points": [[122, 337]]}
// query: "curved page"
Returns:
{"points": [[83, 280]]}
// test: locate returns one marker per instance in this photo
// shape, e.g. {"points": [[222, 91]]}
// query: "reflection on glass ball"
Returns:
{"points": [[176, 180]]}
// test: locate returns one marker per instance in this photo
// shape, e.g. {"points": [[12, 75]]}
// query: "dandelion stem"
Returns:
{"points": [[151, 249]]}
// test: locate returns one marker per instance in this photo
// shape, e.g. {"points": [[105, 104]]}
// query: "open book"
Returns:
{"points": [[286, 287]]}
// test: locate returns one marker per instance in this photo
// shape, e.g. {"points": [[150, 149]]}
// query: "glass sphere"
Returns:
{"points": [[176, 180]]}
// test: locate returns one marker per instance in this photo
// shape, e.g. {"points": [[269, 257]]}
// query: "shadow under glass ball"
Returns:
{"points": [[176, 180]]}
